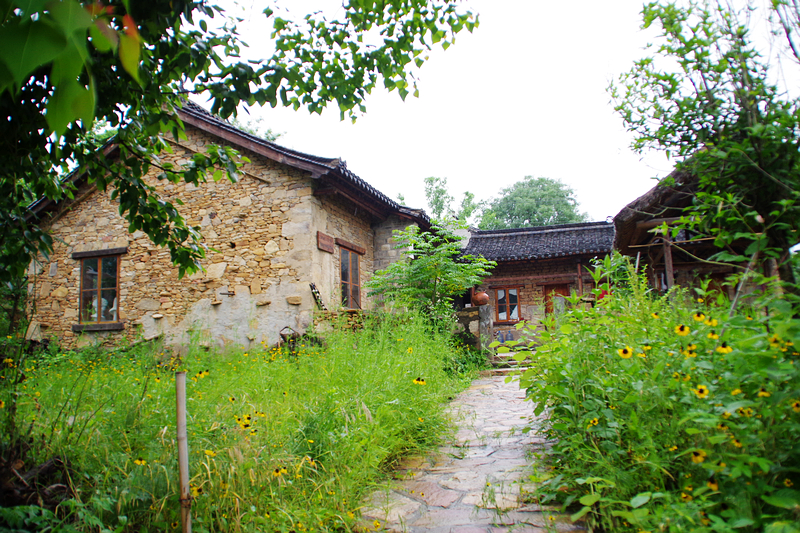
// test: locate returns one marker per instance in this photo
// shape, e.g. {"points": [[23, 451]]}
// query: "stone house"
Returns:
{"points": [[537, 267], [293, 219]]}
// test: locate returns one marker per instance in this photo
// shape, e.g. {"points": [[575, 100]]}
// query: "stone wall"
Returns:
{"points": [[262, 230], [385, 252]]}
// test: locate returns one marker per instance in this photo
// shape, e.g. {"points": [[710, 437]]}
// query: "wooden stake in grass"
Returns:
{"points": [[183, 453]]}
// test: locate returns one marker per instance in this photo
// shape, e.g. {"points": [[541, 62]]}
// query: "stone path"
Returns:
{"points": [[478, 483]]}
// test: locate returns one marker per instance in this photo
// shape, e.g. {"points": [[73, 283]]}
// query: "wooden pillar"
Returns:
{"points": [[580, 280], [668, 269]]}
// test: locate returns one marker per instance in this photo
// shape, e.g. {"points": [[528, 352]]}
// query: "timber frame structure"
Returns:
{"points": [[669, 261]]}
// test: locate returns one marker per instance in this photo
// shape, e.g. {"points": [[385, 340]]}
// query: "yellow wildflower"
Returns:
{"points": [[625, 352], [698, 456], [682, 330]]}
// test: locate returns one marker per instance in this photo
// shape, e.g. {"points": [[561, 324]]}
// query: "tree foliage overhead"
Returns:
{"points": [[65, 63], [432, 272], [708, 96], [532, 202]]}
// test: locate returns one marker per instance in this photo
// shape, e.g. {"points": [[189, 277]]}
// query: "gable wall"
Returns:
{"points": [[269, 215]]}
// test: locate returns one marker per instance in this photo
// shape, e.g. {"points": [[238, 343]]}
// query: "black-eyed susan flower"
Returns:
{"points": [[140, 462], [745, 411], [672, 448], [788, 483], [775, 341], [698, 456], [713, 335], [277, 472], [724, 348], [700, 300], [711, 322], [763, 393], [419, 381], [712, 484], [686, 497], [795, 406], [676, 375], [682, 330], [377, 524], [410, 349], [699, 317], [211, 453], [594, 422], [701, 391], [196, 491], [2, 404], [231, 399], [625, 352], [736, 442], [642, 355], [722, 427], [736, 392], [655, 315]]}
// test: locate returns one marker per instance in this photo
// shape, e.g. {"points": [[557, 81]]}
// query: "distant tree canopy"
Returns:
{"points": [[440, 201], [532, 202]]}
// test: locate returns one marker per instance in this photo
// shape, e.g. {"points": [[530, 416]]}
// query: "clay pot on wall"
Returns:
{"points": [[480, 298]]}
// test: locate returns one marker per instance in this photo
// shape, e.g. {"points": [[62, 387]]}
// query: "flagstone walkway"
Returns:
{"points": [[479, 482]]}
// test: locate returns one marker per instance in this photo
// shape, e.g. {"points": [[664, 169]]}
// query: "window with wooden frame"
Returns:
{"points": [[506, 304], [99, 293], [351, 288]]}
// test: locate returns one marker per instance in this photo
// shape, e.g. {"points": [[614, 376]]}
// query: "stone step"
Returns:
{"points": [[497, 371]]}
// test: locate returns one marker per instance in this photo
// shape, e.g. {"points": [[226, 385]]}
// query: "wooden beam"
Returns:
{"points": [[366, 206], [668, 270], [580, 279], [652, 223]]}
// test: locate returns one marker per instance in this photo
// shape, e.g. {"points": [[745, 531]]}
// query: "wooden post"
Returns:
{"points": [[580, 281], [668, 270], [183, 453]]}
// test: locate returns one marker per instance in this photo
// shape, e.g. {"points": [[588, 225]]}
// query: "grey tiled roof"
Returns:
{"points": [[542, 242]]}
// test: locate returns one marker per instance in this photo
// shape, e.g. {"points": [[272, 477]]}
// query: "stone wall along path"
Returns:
{"points": [[478, 483]]}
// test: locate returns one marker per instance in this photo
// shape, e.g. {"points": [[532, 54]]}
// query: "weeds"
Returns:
{"points": [[280, 440]]}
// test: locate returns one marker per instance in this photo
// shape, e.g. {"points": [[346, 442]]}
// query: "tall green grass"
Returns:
{"points": [[279, 440]]}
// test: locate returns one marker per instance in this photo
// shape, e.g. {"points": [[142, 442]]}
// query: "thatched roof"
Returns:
{"points": [[664, 201]]}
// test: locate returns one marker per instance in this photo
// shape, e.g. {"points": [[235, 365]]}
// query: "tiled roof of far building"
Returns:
{"points": [[542, 242]]}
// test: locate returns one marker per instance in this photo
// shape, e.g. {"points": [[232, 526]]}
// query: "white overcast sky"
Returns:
{"points": [[525, 94]]}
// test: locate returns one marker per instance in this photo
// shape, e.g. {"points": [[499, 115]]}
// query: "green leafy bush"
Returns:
{"points": [[667, 414], [279, 440]]}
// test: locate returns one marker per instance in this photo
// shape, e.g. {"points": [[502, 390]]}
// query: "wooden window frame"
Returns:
{"points": [[353, 256], [99, 324], [506, 288]]}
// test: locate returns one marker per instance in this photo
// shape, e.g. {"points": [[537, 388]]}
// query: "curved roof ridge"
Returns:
{"points": [[541, 229]]}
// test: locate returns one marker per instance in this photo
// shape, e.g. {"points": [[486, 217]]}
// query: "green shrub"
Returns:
{"points": [[666, 414], [279, 441]]}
